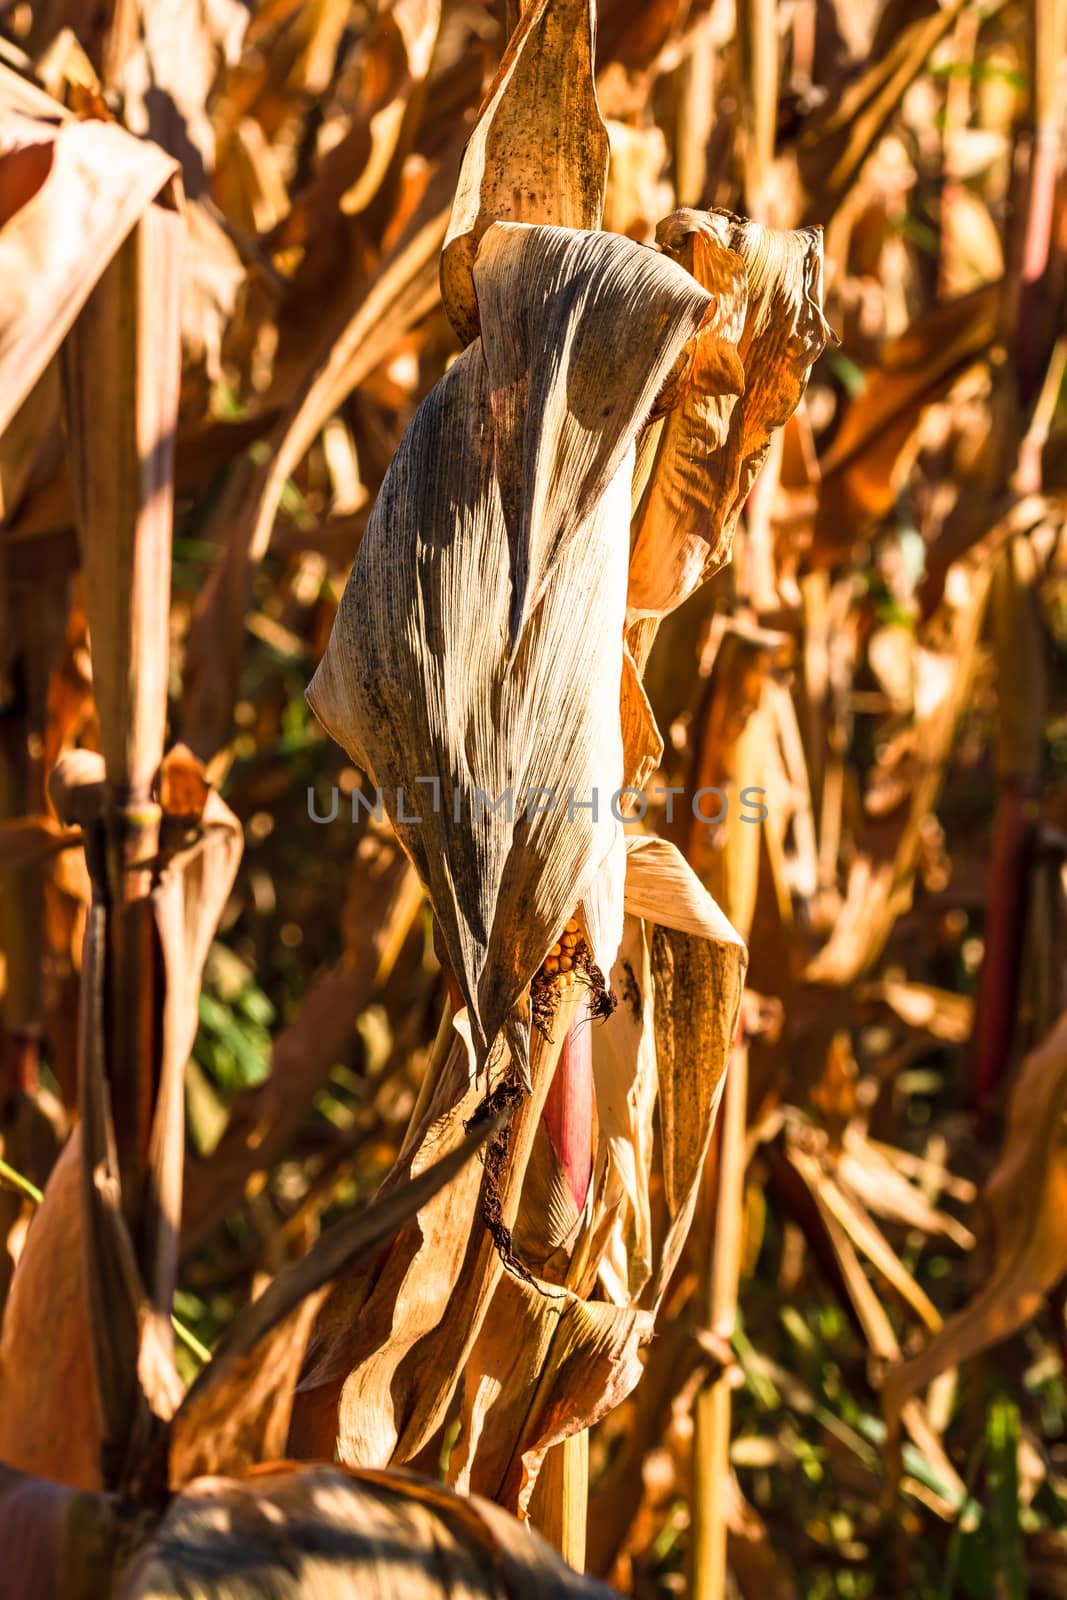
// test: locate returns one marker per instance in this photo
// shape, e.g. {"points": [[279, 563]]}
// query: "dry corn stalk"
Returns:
{"points": [[478, 666]]}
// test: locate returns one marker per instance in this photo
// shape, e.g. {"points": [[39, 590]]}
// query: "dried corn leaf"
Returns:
{"points": [[547, 1363], [237, 1413], [698, 965], [354, 341], [840, 136], [1025, 1198], [419, 680], [642, 742], [69, 196], [625, 1075], [177, 50], [49, 1421], [859, 471], [749, 370], [573, 338], [539, 151], [392, 1342], [187, 902]]}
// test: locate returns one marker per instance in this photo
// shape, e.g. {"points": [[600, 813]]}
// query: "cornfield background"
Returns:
{"points": [[375, 1190]]}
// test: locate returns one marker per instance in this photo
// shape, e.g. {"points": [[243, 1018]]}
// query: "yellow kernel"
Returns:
{"points": [[565, 963], [572, 926], [569, 941], [551, 964], [555, 950]]}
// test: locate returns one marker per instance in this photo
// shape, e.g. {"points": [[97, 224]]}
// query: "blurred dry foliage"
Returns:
{"points": [[817, 1352]]}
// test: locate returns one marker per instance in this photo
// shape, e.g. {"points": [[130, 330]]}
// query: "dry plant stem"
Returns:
{"points": [[757, 26], [560, 1505], [123, 441], [709, 1500], [122, 438]]}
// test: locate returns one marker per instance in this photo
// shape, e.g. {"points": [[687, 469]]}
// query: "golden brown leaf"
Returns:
{"points": [[539, 151]]}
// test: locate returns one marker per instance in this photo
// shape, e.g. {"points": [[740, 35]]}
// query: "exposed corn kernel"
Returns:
{"points": [[551, 965], [572, 926], [565, 963]]}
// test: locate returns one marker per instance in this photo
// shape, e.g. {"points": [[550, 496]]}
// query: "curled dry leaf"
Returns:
{"points": [[70, 193], [861, 470], [698, 963], [564, 410], [539, 151], [420, 679], [750, 366], [547, 1364]]}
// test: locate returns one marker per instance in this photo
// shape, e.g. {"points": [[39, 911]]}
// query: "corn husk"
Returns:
{"points": [[750, 369], [430, 676]]}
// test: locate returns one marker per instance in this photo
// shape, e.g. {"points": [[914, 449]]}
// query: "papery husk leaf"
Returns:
{"points": [[558, 1188], [572, 333], [392, 1342], [547, 1364], [642, 742], [625, 1073], [238, 1411], [749, 372], [419, 678], [698, 963], [539, 151], [358, 1339], [294, 1532], [80, 189]]}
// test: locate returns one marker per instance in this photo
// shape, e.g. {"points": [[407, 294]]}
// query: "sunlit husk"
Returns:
{"points": [[421, 679], [539, 150], [750, 368], [678, 980]]}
